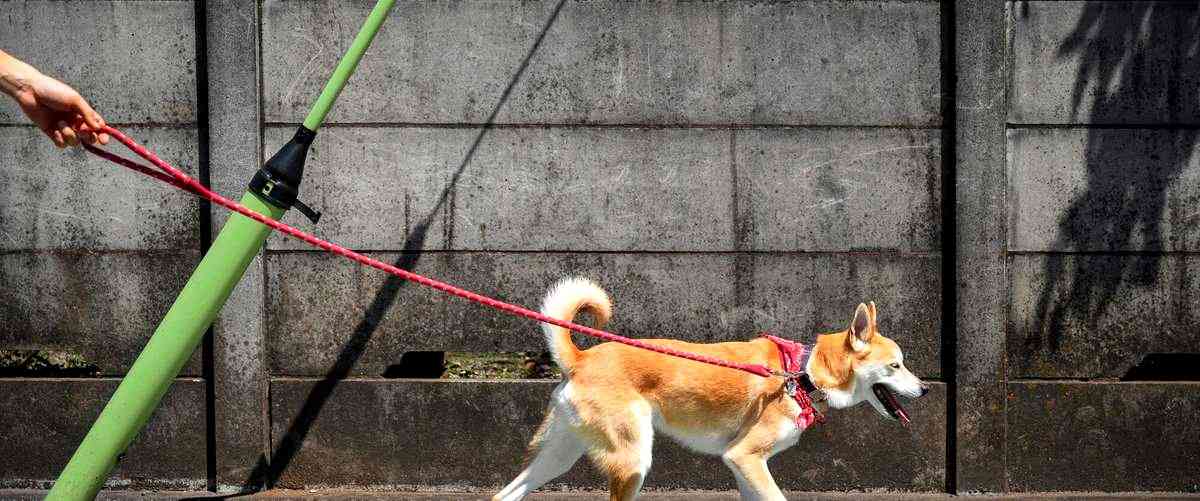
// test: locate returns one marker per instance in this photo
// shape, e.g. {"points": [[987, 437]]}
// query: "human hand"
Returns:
{"points": [[57, 109], [60, 112]]}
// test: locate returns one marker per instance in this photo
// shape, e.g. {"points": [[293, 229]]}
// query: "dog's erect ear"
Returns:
{"points": [[874, 314], [860, 329]]}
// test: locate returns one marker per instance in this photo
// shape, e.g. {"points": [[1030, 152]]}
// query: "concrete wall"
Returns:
{"points": [[1101, 184], [1012, 184], [92, 257]]}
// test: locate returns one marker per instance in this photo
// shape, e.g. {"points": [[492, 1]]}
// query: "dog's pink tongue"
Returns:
{"points": [[888, 399], [903, 415], [898, 408]]}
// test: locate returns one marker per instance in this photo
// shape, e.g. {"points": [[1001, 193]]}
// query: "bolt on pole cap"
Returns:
{"points": [[278, 182]]}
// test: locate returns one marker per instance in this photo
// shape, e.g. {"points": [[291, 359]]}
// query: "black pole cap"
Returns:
{"points": [[278, 182]]}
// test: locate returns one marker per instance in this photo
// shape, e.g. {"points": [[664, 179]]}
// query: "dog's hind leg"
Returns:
{"points": [[553, 451], [628, 438]]}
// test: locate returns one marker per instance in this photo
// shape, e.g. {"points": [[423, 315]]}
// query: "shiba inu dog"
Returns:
{"points": [[614, 398]]}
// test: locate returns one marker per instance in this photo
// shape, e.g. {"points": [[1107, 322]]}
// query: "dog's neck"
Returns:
{"points": [[830, 369]]}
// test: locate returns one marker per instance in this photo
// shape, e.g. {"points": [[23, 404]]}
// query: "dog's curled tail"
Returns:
{"points": [[565, 300]]}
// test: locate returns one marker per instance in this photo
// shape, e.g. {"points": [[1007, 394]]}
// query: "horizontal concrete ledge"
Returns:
{"points": [[1086, 126], [105, 379], [865, 253], [391, 434], [345, 495], [1105, 382], [630, 125]]}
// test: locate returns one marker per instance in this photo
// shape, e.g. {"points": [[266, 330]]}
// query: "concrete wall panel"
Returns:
{"points": [[615, 189], [1088, 190], [134, 61], [45, 419], [1124, 437], [1101, 62], [319, 306], [520, 189], [72, 200], [103, 307], [840, 189], [600, 62], [1096, 316]]}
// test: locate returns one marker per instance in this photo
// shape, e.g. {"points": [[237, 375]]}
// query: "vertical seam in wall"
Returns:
{"points": [[735, 209], [735, 202], [265, 389], [264, 411], [208, 369], [949, 238], [743, 262], [1006, 97]]}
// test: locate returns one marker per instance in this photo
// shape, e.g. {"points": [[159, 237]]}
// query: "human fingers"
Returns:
{"points": [[68, 134], [55, 135], [86, 133]]}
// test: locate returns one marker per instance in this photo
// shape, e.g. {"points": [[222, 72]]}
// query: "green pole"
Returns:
{"points": [[346, 66], [165, 354], [272, 192]]}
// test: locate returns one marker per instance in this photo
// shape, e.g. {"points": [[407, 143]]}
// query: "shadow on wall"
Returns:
{"points": [[268, 471], [1120, 47]]}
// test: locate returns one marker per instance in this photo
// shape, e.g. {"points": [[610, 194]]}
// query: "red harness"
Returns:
{"points": [[794, 358]]}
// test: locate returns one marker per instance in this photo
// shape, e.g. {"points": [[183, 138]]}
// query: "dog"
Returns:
{"points": [[615, 397]]}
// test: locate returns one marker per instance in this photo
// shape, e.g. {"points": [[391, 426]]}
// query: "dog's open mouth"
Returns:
{"points": [[888, 399]]}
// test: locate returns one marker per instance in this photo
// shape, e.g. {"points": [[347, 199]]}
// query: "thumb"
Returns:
{"points": [[90, 116]]}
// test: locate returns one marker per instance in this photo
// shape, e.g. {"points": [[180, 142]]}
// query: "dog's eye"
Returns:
{"points": [[895, 365]]}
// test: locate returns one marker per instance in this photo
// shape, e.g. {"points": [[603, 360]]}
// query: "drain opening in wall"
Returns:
{"points": [[45, 363], [474, 365]]}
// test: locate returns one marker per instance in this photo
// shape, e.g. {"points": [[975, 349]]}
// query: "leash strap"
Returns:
{"points": [[179, 179]]}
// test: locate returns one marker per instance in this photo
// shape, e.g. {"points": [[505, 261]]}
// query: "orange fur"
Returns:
{"points": [[614, 391]]}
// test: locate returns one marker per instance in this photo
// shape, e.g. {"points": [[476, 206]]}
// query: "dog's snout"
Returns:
{"points": [[924, 389]]}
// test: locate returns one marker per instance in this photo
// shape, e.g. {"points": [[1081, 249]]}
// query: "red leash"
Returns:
{"points": [[177, 178]]}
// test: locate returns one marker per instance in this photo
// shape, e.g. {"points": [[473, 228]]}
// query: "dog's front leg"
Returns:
{"points": [[749, 464], [755, 482]]}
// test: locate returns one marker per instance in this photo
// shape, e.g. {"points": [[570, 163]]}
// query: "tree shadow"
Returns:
{"points": [[266, 471], [1121, 48]]}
